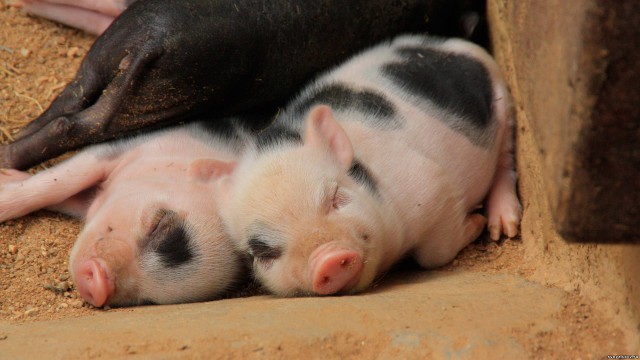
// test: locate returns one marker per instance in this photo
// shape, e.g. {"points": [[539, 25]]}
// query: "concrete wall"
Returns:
{"points": [[576, 66], [572, 67]]}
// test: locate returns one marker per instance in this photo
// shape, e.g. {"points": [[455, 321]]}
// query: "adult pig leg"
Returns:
{"points": [[60, 188], [53, 134]]}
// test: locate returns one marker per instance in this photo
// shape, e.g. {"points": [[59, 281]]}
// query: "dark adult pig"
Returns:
{"points": [[152, 233], [165, 61], [390, 154], [92, 16]]}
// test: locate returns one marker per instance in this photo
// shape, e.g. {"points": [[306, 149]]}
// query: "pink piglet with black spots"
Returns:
{"points": [[388, 155]]}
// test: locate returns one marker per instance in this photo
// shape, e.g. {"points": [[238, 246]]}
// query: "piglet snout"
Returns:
{"points": [[335, 270], [92, 281]]}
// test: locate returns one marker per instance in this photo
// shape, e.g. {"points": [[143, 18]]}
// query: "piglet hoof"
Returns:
{"points": [[504, 217], [93, 282]]}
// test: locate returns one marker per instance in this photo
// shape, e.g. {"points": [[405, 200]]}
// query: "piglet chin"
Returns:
{"points": [[94, 282]]}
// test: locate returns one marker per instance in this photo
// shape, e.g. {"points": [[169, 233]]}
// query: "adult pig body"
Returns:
{"points": [[388, 155], [151, 233], [166, 61]]}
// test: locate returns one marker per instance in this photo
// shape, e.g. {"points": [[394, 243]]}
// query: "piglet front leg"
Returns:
{"points": [[503, 209], [90, 16], [61, 188]]}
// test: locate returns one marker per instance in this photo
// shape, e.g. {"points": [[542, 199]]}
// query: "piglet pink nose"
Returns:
{"points": [[339, 270], [92, 281]]}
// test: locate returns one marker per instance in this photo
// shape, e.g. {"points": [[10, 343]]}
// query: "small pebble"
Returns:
{"points": [[25, 52], [73, 52], [13, 249], [76, 303], [63, 285], [31, 311], [58, 40]]}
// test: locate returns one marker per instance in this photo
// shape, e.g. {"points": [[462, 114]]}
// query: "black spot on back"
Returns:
{"points": [[170, 240], [277, 134], [341, 97], [360, 174], [456, 83]]}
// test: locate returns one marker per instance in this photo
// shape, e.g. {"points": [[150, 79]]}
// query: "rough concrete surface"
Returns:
{"points": [[440, 314]]}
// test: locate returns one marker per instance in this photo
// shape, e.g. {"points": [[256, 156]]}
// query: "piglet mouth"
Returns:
{"points": [[94, 281]]}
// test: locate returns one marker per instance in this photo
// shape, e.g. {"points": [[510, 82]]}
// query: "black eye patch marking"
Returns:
{"points": [[262, 250], [340, 97], [456, 83], [170, 240], [360, 174]]}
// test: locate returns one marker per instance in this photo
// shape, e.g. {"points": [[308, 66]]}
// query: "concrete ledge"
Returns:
{"points": [[426, 315]]}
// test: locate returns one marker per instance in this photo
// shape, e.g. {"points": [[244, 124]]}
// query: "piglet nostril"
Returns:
{"points": [[337, 271], [92, 281]]}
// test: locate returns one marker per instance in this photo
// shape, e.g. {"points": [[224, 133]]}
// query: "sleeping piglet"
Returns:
{"points": [[390, 154], [152, 234]]}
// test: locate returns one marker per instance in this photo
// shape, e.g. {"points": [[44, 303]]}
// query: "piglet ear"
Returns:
{"points": [[207, 169], [323, 130]]}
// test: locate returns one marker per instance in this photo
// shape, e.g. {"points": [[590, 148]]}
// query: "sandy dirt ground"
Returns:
{"points": [[38, 299]]}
